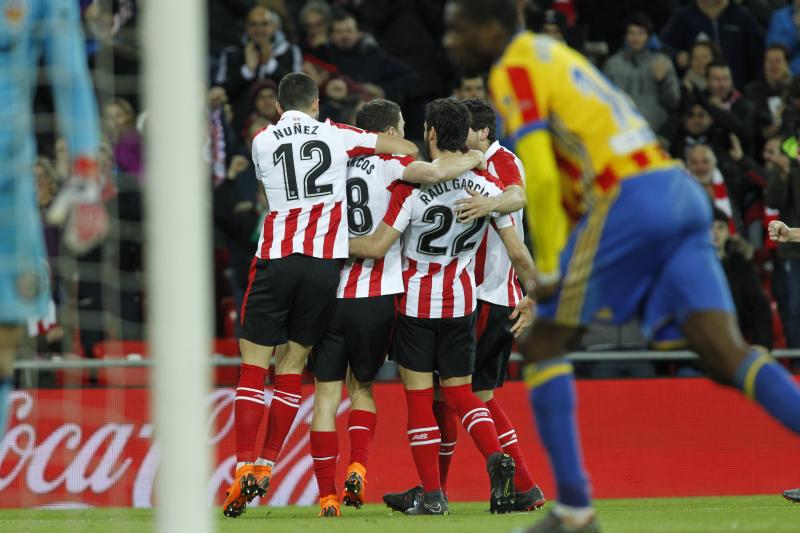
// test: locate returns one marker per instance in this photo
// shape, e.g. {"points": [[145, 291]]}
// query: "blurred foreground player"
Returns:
{"points": [[358, 335], [640, 244], [498, 293], [291, 293], [29, 30], [435, 329]]}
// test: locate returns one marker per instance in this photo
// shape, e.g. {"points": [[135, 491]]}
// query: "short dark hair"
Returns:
{"points": [[480, 11], [640, 19], [781, 48], [481, 115], [717, 63], [450, 119], [339, 14], [297, 91], [378, 115]]}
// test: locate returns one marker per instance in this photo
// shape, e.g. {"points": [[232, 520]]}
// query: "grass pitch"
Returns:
{"points": [[691, 515]]}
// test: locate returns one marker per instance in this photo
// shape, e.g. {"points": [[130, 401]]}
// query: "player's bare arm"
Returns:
{"points": [[523, 265], [780, 232], [389, 144], [376, 245], [478, 206], [444, 168]]}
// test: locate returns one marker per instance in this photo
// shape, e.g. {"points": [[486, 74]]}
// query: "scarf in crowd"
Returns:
{"points": [[216, 147]]}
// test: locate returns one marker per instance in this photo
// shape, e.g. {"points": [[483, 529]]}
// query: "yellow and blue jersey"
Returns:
{"points": [[612, 215], [576, 133]]}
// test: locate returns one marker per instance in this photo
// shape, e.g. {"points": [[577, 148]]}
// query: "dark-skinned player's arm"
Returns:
{"points": [[443, 169], [522, 262], [395, 221]]}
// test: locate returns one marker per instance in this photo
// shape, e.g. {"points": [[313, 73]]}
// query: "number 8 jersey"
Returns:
{"points": [[302, 164], [438, 251], [368, 195]]}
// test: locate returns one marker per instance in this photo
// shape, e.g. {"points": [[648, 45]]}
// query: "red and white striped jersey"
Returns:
{"points": [[494, 275], [303, 163], [368, 195], [438, 251]]}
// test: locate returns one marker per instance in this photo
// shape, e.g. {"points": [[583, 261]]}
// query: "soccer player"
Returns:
{"points": [[435, 330], [28, 31], [498, 293], [640, 245], [358, 335], [291, 293]]}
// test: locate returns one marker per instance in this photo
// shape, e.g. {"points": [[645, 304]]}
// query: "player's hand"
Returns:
{"points": [[476, 206], [79, 209], [523, 314], [778, 231], [543, 287]]}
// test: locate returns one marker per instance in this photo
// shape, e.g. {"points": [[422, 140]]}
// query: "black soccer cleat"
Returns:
{"points": [[792, 495], [501, 475], [553, 524], [432, 503], [403, 501], [529, 500]]}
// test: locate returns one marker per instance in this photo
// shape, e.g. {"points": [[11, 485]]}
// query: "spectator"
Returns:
{"points": [[360, 58], [264, 54], [767, 93], [701, 54], [783, 29], [470, 88], [725, 24], [702, 165], [697, 127], [645, 75], [339, 95], [315, 18], [783, 194], [225, 22], [119, 121], [790, 117], [752, 306], [728, 107], [263, 97]]}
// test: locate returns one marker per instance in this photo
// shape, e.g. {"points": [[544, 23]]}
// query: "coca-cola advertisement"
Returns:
{"points": [[670, 437]]}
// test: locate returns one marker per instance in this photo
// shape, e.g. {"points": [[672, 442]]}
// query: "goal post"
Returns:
{"points": [[178, 258]]}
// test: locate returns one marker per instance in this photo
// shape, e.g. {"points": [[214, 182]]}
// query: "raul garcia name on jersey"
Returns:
{"points": [[429, 192]]}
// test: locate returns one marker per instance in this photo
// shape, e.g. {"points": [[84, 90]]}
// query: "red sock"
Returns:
{"points": [[508, 441], [248, 410], [474, 416], [285, 403], [324, 451], [361, 427], [423, 436], [448, 427]]}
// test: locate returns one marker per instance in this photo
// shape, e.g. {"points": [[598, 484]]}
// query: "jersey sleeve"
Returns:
{"points": [[65, 55], [357, 142], [398, 215], [501, 221], [395, 167], [505, 167]]}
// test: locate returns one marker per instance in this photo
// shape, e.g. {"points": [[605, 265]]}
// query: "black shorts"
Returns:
{"points": [[358, 336], [446, 345], [493, 329], [289, 299]]}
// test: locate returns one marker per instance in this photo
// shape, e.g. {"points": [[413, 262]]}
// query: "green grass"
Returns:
{"points": [[691, 515]]}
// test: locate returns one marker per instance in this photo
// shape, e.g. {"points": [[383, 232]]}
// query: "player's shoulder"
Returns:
{"points": [[489, 178], [404, 160], [531, 49], [506, 165]]}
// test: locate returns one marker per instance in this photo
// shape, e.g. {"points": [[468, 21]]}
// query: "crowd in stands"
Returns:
{"points": [[714, 78]]}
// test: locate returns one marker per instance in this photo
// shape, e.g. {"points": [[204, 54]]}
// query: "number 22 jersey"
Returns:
{"points": [[439, 251], [302, 164]]}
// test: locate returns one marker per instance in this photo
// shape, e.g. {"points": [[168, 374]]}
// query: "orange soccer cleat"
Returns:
{"points": [[240, 492], [355, 485], [329, 506], [263, 474]]}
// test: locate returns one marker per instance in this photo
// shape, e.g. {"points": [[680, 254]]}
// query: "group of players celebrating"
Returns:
{"points": [[424, 299], [620, 232]]}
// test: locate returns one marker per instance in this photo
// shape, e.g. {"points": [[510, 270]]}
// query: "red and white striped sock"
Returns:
{"points": [[424, 437], [447, 420], [285, 403], [361, 428], [475, 417], [248, 410], [324, 452], [508, 441]]}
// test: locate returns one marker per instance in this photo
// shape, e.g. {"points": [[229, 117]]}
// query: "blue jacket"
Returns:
{"points": [[735, 31], [783, 31]]}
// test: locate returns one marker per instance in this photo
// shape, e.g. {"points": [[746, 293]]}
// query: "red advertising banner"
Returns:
{"points": [[670, 437]]}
